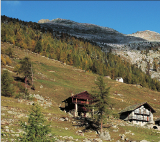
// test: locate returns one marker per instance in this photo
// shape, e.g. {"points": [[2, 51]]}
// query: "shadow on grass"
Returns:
{"points": [[19, 79], [87, 123]]}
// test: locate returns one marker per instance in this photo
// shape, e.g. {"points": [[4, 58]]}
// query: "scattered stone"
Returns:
{"points": [[7, 130], [115, 130], [6, 127], [105, 135], [62, 119], [123, 137], [79, 132], [115, 126]]}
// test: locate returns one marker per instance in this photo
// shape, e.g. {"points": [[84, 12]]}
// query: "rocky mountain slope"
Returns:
{"points": [[148, 35], [132, 47]]}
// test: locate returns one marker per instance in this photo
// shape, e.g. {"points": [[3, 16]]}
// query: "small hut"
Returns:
{"points": [[119, 79]]}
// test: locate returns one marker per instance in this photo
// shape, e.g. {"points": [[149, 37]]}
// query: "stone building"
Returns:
{"points": [[139, 114], [119, 79]]}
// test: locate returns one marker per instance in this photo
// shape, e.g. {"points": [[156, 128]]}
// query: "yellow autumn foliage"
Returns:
{"points": [[3, 61], [8, 61]]}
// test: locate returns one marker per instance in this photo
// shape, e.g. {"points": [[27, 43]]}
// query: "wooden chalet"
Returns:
{"points": [[140, 114], [76, 104]]}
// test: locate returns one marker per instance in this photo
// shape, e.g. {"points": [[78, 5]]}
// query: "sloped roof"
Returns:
{"points": [[119, 78], [133, 107], [158, 119], [83, 95]]}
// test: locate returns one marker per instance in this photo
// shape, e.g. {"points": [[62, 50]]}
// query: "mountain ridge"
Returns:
{"points": [[100, 35], [64, 22], [127, 46]]}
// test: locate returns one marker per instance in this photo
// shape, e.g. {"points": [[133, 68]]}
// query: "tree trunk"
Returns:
{"points": [[101, 126], [32, 74], [25, 82]]}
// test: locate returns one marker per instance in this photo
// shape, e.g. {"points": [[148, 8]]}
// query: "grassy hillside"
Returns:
{"points": [[59, 81]]}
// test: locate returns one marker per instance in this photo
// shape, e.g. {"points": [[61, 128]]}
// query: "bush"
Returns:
{"points": [[2, 50], [8, 61], [3, 61], [17, 68], [23, 92], [9, 52]]}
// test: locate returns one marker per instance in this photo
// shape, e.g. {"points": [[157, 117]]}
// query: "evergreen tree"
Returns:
{"points": [[38, 47], [26, 68], [7, 88], [35, 130], [101, 101]]}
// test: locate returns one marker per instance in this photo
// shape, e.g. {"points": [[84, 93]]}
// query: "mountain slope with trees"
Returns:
{"points": [[54, 82], [72, 51]]}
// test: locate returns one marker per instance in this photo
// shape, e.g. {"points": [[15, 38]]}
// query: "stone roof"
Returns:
{"points": [[133, 107]]}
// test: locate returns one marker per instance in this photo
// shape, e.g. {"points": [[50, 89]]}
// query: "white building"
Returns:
{"points": [[139, 114], [119, 79]]}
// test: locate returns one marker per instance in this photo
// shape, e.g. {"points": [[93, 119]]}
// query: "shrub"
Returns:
{"points": [[8, 61], [2, 50], [9, 52], [23, 92], [17, 68], [3, 61]]}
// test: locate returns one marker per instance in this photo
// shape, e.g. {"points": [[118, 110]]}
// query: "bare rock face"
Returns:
{"points": [[94, 33], [131, 46], [43, 20], [148, 35]]}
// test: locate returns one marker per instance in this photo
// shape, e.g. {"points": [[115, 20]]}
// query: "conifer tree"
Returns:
{"points": [[7, 88], [26, 68], [101, 102], [38, 47], [35, 130]]}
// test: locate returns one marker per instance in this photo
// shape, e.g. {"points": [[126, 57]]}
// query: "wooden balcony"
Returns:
{"points": [[80, 102], [142, 112], [139, 117]]}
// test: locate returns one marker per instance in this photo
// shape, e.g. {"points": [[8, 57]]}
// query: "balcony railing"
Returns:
{"points": [[143, 112], [139, 117], [80, 102]]}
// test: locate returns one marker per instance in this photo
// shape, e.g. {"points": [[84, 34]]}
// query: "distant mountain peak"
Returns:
{"points": [[147, 34]]}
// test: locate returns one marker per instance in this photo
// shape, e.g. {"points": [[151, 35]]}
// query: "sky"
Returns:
{"points": [[126, 17]]}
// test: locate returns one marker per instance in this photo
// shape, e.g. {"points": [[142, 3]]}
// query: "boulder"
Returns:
{"points": [[105, 136]]}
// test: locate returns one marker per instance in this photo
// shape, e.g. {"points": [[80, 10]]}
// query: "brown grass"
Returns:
{"points": [[59, 81]]}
